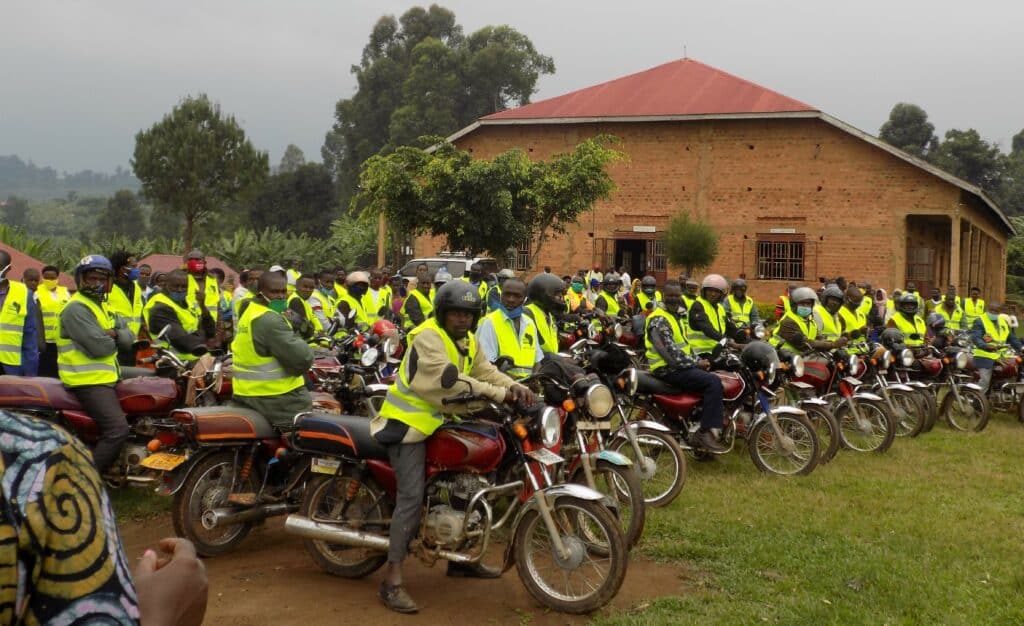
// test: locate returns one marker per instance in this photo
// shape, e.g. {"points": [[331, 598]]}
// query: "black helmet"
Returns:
{"points": [[892, 339], [547, 291], [611, 279], [739, 283], [648, 282], [457, 295], [936, 322], [832, 291], [758, 356], [907, 303]]}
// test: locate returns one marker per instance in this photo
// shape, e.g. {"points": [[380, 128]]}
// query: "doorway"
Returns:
{"points": [[632, 254]]}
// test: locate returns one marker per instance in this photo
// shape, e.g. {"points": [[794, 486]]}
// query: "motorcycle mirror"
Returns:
{"points": [[449, 376]]}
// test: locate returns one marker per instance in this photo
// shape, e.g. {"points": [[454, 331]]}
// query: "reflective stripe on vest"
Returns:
{"points": [[402, 404], [51, 304], [654, 359], [252, 373], [546, 331], [715, 313], [612, 302], [425, 307], [853, 320], [76, 368], [998, 334], [523, 355], [188, 318], [740, 313], [12, 323], [117, 302], [807, 327], [911, 327], [954, 320], [828, 327]]}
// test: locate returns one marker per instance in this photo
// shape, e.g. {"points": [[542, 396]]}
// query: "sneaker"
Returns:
{"points": [[707, 441], [472, 570], [396, 598]]}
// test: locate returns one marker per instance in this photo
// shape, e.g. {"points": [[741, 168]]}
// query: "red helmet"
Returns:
{"points": [[383, 329]]}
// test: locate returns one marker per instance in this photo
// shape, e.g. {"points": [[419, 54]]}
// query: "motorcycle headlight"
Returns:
{"points": [[599, 401], [628, 380], [961, 360], [369, 357], [852, 363], [770, 374], [759, 331], [592, 330], [883, 363], [798, 366], [618, 331], [906, 357], [550, 427]]}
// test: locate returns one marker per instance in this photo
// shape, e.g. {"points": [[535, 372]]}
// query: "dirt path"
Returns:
{"points": [[272, 580]]}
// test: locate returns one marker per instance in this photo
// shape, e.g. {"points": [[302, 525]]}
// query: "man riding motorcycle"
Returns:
{"points": [[708, 322], [546, 300], [797, 331]]}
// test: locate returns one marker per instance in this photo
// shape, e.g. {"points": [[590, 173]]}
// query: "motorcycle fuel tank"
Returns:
{"points": [[466, 447]]}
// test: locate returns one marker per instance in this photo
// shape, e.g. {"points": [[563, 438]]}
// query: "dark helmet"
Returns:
{"points": [[936, 322], [892, 339], [907, 303], [832, 291], [90, 263], [612, 279], [648, 282], [758, 356], [739, 283], [457, 295], [544, 290]]}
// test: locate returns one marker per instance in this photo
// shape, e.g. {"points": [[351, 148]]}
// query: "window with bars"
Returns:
{"points": [[780, 259], [519, 258], [656, 255]]}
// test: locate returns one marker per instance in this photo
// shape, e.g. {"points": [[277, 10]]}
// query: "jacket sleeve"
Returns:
{"points": [[78, 324], [699, 321], [272, 336], [413, 310], [161, 316], [428, 359], [663, 343]]}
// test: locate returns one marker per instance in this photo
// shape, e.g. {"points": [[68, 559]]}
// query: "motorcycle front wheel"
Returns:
{"points": [[912, 412], [827, 429], [928, 396], [624, 496], [969, 413], [871, 430], [207, 488], [345, 500], [796, 451], [592, 573], [662, 465]]}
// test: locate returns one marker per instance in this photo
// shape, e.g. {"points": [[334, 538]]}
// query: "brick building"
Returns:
{"points": [[794, 193]]}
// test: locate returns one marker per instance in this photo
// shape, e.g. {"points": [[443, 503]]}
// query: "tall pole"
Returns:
{"points": [[381, 237]]}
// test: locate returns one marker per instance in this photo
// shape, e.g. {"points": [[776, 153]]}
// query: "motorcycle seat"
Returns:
{"points": [[338, 435], [649, 383], [221, 423], [36, 391]]}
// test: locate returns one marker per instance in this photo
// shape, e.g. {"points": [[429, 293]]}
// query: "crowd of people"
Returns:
{"points": [[494, 329]]}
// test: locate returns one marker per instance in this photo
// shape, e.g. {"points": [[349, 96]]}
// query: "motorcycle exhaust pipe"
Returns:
{"points": [[308, 529], [226, 517]]}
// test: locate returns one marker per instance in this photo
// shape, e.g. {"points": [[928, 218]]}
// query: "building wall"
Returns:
{"points": [[847, 198]]}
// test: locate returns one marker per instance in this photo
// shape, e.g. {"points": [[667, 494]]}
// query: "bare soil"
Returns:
{"points": [[271, 580]]}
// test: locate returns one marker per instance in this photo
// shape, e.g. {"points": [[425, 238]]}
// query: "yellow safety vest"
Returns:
{"points": [[546, 331], [612, 302], [238, 304], [954, 320], [12, 323], [188, 318], [307, 311], [326, 304], [807, 327], [523, 354], [253, 374], [865, 306], [700, 342], [75, 367], [51, 303], [654, 359], [740, 313], [853, 320], [211, 293], [402, 404], [910, 327], [425, 306], [117, 302], [829, 328], [642, 299], [998, 334], [353, 305], [972, 311], [371, 307], [787, 306]]}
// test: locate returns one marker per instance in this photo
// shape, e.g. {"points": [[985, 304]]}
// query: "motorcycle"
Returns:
{"points": [[567, 547], [906, 405], [1006, 388], [802, 396], [963, 405]]}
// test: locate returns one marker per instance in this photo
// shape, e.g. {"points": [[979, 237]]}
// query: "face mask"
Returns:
{"points": [[277, 306], [133, 274], [178, 297], [804, 311], [94, 292], [515, 313], [50, 284], [196, 265], [675, 304], [358, 290], [577, 287], [993, 316], [649, 291]]}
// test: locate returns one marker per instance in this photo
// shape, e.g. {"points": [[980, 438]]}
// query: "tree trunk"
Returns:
{"points": [[189, 222]]}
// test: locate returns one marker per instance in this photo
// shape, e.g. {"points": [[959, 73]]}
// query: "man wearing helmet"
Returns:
{"points": [[797, 331], [826, 314], [412, 411], [546, 295], [990, 336], [741, 309], [648, 298], [854, 322], [19, 336], [906, 319], [494, 293], [576, 297], [670, 359], [708, 323], [608, 301], [87, 347]]}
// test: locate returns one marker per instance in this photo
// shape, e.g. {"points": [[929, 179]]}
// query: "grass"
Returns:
{"points": [[136, 504], [929, 533]]}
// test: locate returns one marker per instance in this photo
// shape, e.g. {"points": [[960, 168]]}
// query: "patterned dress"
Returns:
{"points": [[61, 560]]}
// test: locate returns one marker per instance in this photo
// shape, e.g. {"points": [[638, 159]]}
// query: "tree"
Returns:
{"points": [[300, 201], [419, 75], [15, 212], [291, 160], [963, 153], [690, 243], [482, 205], [122, 216], [195, 160], [909, 130]]}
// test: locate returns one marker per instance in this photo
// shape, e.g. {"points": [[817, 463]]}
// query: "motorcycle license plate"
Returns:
{"points": [[588, 425], [545, 456], [324, 465], [163, 462]]}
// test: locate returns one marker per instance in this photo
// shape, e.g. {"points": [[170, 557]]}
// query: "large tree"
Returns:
{"points": [[15, 212], [419, 75], [196, 160], [300, 201], [291, 160], [482, 205], [909, 130], [122, 215], [965, 154]]}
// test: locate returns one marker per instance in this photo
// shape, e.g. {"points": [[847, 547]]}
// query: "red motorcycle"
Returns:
{"points": [[566, 545]]}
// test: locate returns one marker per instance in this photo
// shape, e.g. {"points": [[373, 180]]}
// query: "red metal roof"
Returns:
{"points": [[21, 262], [681, 87]]}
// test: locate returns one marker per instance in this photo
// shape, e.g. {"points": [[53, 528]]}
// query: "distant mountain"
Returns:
{"points": [[28, 180]]}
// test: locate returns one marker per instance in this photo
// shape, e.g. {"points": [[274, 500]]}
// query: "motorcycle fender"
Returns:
{"points": [[787, 410], [973, 386], [614, 458], [801, 385], [864, 395], [181, 473], [375, 388], [552, 494], [900, 387], [917, 383], [637, 425], [814, 401]]}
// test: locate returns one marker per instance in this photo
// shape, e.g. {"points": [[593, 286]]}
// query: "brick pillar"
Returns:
{"points": [[954, 254]]}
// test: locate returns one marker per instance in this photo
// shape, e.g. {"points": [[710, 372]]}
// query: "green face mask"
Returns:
{"points": [[278, 306], [577, 287]]}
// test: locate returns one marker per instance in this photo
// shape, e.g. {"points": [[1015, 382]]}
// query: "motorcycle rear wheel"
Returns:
{"points": [[598, 564], [931, 403], [323, 501], [207, 487], [972, 418], [765, 451], [662, 468], [878, 430], [827, 429], [912, 412]]}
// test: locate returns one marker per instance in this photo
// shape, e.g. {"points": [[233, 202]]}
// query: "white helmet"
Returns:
{"points": [[357, 277], [715, 281]]}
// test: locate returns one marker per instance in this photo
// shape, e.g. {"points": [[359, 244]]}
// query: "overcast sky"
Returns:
{"points": [[78, 79]]}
